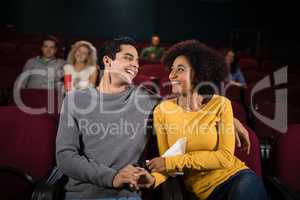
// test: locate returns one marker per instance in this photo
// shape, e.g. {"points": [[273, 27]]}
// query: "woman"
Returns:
{"points": [[211, 171], [235, 74], [81, 70]]}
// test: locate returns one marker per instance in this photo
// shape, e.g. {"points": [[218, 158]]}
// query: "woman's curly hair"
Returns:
{"points": [[208, 64], [92, 57]]}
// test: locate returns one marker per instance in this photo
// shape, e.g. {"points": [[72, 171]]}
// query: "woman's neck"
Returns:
{"points": [[191, 101], [107, 85], [78, 66]]}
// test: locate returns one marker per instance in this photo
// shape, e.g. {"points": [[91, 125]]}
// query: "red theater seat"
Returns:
{"points": [[239, 111], [14, 61], [155, 70], [28, 144], [263, 130], [9, 75], [148, 62], [268, 66], [30, 50], [233, 92], [41, 98], [287, 163], [7, 48], [147, 82], [253, 160], [165, 87], [248, 63], [253, 76], [268, 110]]}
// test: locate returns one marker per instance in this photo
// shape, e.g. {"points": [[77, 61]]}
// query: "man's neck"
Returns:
{"points": [[47, 59], [107, 86]]}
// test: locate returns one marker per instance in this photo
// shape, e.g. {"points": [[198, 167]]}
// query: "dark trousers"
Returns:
{"points": [[244, 185]]}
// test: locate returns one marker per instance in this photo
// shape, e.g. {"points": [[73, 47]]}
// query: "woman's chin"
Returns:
{"points": [[176, 91]]}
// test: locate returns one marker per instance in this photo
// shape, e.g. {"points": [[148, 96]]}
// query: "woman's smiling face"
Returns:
{"points": [[181, 76]]}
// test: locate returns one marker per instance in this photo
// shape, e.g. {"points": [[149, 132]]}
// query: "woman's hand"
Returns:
{"points": [[146, 180], [157, 164], [241, 136], [236, 83]]}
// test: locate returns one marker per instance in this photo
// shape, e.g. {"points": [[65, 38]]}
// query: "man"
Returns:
{"points": [[96, 147], [103, 131], [45, 71], [154, 52]]}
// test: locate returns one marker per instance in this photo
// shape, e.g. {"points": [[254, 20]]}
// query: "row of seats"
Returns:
{"points": [[10, 49], [13, 49], [34, 137], [155, 77], [27, 147], [22, 38], [52, 101], [39, 98]]}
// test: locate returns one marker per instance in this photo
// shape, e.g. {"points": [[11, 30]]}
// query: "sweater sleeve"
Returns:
{"points": [[27, 67], [145, 53], [60, 69], [240, 77], [161, 142], [92, 69], [68, 158], [59, 77], [222, 157]]}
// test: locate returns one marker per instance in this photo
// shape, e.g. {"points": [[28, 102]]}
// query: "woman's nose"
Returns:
{"points": [[172, 75]]}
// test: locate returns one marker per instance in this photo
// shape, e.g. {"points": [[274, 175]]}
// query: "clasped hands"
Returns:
{"points": [[137, 177]]}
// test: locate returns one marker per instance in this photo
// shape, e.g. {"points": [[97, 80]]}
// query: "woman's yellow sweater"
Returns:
{"points": [[209, 159]]}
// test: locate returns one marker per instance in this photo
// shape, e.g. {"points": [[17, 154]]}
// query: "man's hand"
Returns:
{"points": [[241, 136], [127, 175], [157, 164]]}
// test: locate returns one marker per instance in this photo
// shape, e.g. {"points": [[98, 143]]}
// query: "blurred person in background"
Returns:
{"points": [[235, 75], [155, 51], [52, 68], [80, 72]]}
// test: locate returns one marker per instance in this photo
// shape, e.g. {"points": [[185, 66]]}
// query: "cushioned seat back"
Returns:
{"points": [[253, 160], [287, 165], [27, 143]]}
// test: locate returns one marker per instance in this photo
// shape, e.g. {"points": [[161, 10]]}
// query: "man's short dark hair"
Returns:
{"points": [[50, 38], [111, 48]]}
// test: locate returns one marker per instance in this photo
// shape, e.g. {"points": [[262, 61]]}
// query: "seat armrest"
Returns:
{"points": [[278, 190], [17, 172], [45, 190]]}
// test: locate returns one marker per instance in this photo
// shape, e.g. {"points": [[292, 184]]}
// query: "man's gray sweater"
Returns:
{"points": [[100, 134]]}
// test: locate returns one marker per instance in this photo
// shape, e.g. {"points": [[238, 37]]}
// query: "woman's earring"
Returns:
{"points": [[109, 75]]}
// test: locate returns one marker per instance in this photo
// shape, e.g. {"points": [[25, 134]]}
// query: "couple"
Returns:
{"points": [[103, 131]]}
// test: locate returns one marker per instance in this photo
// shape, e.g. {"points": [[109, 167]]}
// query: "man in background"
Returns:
{"points": [[45, 71], [155, 51]]}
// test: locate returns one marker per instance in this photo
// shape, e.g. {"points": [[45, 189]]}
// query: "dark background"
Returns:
{"points": [[267, 28]]}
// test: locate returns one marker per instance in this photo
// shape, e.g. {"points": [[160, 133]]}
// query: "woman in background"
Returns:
{"points": [[235, 75], [81, 70]]}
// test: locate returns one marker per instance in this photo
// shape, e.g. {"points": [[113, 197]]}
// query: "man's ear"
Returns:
{"points": [[107, 62]]}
